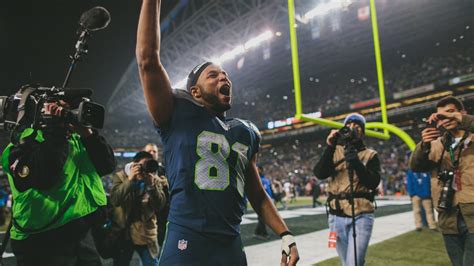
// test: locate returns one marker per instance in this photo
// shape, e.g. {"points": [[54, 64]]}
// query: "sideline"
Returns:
{"points": [[313, 248]]}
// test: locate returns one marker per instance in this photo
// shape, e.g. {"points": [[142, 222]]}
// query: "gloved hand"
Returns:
{"points": [[350, 154], [288, 240], [289, 252]]}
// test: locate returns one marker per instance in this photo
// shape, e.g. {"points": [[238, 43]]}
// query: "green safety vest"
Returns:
{"points": [[78, 193]]}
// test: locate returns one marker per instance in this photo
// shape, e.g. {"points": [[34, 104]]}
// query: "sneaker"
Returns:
{"points": [[418, 229]]}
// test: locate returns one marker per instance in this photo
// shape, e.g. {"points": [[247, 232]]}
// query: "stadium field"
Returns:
{"points": [[414, 248], [307, 223]]}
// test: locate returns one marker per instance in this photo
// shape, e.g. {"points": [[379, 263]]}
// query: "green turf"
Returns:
{"points": [[413, 248], [310, 223]]}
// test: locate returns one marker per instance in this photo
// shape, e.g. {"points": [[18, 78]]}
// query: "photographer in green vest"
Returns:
{"points": [[55, 177]]}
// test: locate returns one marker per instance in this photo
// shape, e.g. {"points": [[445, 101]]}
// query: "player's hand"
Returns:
{"points": [[289, 251], [429, 134], [331, 137]]}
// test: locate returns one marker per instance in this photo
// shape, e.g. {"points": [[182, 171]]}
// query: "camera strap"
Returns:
{"points": [[459, 146], [457, 185]]}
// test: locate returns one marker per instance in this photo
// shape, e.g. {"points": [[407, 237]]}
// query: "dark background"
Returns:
{"points": [[37, 37]]}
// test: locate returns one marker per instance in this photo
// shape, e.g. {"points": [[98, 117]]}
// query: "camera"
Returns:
{"points": [[447, 192], [431, 124], [149, 166], [345, 135], [24, 108]]}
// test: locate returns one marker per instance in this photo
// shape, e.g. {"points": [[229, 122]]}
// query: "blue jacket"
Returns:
{"points": [[267, 185], [419, 184]]}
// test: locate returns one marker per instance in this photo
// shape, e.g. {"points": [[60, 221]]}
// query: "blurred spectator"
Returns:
{"points": [[419, 189], [278, 192], [261, 230]]}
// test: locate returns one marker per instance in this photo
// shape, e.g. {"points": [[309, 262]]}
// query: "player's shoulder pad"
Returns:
{"points": [[185, 95], [251, 126]]}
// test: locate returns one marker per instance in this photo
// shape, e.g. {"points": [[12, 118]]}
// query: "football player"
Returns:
{"points": [[210, 159]]}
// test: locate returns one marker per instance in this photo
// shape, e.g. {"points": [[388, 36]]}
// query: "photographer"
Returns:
{"points": [[161, 215], [54, 175], [447, 151], [345, 150], [138, 192]]}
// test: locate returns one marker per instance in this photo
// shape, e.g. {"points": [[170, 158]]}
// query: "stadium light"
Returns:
{"points": [[232, 54], [324, 8], [238, 50], [258, 40]]}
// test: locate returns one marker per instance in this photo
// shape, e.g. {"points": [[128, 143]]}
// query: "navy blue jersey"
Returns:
{"points": [[206, 160]]}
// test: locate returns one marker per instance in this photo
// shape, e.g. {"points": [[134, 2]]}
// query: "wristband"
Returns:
{"points": [[285, 233], [288, 240]]}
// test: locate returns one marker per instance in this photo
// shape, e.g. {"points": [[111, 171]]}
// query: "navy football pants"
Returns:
{"points": [[183, 246]]}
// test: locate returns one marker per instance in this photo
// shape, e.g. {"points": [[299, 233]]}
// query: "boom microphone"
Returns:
{"points": [[95, 18]]}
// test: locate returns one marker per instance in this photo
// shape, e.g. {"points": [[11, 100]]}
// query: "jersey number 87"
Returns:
{"points": [[212, 169]]}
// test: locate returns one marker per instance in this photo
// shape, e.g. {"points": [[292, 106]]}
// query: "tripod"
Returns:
{"points": [[351, 201]]}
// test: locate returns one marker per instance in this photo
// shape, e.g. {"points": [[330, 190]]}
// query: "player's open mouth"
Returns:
{"points": [[225, 90]]}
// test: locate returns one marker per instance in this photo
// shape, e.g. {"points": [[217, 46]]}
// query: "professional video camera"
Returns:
{"points": [[23, 109], [345, 135]]}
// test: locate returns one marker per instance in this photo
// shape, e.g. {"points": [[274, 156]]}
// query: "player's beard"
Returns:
{"points": [[214, 102]]}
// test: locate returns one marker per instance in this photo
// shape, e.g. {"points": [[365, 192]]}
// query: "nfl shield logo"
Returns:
{"points": [[182, 244]]}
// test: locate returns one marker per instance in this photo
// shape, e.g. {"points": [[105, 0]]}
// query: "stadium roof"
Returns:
{"points": [[201, 30]]}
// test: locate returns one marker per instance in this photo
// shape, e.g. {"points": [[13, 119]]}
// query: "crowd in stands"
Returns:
{"points": [[294, 161], [335, 92], [331, 95]]}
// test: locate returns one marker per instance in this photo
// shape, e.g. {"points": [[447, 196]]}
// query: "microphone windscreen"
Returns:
{"points": [[95, 18]]}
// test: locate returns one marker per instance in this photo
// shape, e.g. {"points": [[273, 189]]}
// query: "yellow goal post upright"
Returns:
{"points": [[387, 128]]}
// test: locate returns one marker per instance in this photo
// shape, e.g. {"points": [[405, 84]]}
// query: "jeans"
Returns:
{"points": [[460, 247], [342, 226]]}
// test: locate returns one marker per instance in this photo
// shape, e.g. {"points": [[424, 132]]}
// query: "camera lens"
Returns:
{"points": [[150, 166]]}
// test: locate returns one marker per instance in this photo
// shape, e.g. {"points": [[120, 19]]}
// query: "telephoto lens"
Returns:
{"points": [[150, 166], [447, 192]]}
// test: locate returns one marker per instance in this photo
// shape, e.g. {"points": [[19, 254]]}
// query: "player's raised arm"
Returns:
{"points": [[262, 204], [155, 82]]}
